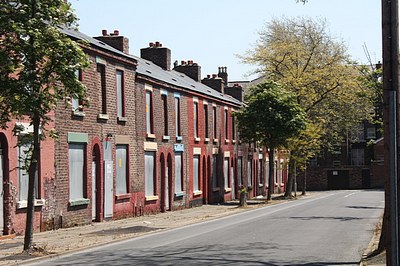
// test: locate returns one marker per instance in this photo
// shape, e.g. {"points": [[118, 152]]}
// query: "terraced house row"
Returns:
{"points": [[152, 140]]}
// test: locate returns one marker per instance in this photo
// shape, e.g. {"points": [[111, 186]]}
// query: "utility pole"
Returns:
{"points": [[390, 45]]}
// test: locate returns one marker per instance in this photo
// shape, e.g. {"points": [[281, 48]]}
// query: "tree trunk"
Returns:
{"points": [[304, 181], [33, 171], [290, 180], [271, 173], [243, 199]]}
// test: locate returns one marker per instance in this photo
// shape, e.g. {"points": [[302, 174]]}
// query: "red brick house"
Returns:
{"points": [[153, 139]]}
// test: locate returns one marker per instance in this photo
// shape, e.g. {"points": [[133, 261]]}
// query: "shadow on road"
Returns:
{"points": [[240, 254]]}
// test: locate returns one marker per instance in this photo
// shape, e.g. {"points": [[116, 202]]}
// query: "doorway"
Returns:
{"points": [[96, 183], [165, 183]]}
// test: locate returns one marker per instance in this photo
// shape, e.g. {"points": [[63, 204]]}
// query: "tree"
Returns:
{"points": [[302, 55], [38, 69], [275, 117]]}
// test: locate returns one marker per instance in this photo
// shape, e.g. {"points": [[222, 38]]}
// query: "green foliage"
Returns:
{"points": [[38, 65], [301, 54], [37, 61], [271, 115]]}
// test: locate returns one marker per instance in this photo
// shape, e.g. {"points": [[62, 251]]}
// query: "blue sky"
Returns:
{"points": [[213, 32]]}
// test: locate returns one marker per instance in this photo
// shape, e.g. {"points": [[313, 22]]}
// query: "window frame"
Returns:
{"points": [[149, 113], [178, 185], [120, 87], [196, 119], [177, 102], [81, 191], [101, 70], [206, 135], [150, 180], [196, 174], [122, 180]]}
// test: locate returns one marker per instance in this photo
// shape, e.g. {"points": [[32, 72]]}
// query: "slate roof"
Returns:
{"points": [[150, 69]]}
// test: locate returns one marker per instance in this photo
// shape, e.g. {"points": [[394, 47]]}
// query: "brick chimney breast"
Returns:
{"points": [[190, 69], [161, 56], [120, 43]]}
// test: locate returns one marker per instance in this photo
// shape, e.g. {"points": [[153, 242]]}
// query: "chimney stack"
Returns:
{"points": [[190, 69], [113, 39], [157, 54], [222, 73], [214, 82]]}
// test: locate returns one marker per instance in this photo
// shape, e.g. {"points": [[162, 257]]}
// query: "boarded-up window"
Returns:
{"points": [[149, 173], [149, 113], [196, 119], [178, 173], [239, 171], [260, 172], [23, 175], [226, 117], [76, 170], [214, 172], [120, 93], [226, 172], [178, 116], [196, 175], [121, 180], [206, 121], [214, 115], [249, 173], [75, 101]]}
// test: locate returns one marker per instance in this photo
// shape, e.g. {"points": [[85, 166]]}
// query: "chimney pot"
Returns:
{"points": [[151, 44], [116, 32], [104, 33], [214, 76], [208, 76], [157, 44]]}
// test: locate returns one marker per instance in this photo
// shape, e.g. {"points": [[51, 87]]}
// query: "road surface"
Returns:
{"points": [[331, 228]]}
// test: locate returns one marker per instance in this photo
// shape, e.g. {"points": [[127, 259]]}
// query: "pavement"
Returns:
{"points": [[63, 241]]}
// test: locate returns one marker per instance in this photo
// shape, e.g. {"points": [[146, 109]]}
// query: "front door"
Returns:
{"points": [[1, 194]]}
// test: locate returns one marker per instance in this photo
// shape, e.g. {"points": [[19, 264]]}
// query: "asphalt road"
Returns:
{"points": [[332, 228]]}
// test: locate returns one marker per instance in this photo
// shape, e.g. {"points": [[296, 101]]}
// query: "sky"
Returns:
{"points": [[213, 33]]}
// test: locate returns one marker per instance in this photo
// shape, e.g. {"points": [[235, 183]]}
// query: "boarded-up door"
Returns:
{"points": [[338, 179], [108, 180]]}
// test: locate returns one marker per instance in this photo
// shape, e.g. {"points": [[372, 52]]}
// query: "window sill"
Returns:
{"points": [[24, 204], [228, 189], [166, 137], [197, 193], [215, 140], [215, 189], [206, 140], [227, 141], [179, 194], [150, 136], [78, 202], [122, 196], [179, 138], [260, 185], [197, 139], [103, 116], [151, 198], [78, 113], [233, 141], [122, 119]]}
